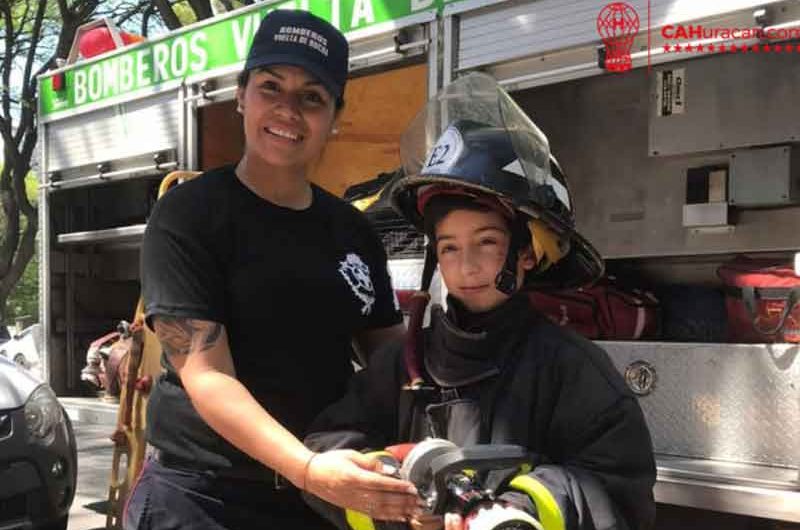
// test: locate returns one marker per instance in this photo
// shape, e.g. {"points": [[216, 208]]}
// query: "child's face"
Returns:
{"points": [[471, 248]]}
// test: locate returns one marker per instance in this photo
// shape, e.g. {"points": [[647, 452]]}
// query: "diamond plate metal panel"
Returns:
{"points": [[730, 402]]}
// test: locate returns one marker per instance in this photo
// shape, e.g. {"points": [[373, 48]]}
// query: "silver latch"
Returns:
{"points": [[640, 377]]}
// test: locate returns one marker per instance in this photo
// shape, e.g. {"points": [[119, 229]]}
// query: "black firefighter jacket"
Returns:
{"points": [[524, 381]]}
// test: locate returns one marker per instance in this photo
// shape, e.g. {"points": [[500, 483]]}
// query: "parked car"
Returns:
{"points": [[38, 457], [23, 348]]}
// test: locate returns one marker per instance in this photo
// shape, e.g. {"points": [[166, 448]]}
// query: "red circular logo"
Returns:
{"points": [[618, 24]]}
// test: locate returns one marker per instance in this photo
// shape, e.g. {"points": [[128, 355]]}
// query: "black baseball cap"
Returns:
{"points": [[299, 38]]}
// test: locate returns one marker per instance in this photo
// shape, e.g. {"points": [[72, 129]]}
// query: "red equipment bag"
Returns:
{"points": [[762, 300], [573, 309], [605, 311]]}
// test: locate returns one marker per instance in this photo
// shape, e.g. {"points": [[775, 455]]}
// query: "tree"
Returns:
{"points": [[24, 298], [33, 34], [22, 33]]}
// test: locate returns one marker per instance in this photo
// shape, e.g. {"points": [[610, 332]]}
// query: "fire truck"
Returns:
{"points": [[683, 158]]}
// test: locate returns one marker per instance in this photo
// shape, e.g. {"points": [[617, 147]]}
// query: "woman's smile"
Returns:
{"points": [[284, 133]]}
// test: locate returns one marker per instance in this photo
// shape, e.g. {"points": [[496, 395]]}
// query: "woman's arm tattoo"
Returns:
{"points": [[183, 335]]}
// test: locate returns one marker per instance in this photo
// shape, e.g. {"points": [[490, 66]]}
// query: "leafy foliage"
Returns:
{"points": [[24, 298]]}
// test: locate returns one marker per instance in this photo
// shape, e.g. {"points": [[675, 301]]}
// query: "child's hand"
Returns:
{"points": [[426, 522], [453, 521]]}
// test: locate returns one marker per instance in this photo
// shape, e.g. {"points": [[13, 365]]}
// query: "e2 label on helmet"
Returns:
{"points": [[445, 152], [438, 155]]}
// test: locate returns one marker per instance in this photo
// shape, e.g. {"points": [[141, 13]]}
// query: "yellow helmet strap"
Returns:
{"points": [[547, 247]]}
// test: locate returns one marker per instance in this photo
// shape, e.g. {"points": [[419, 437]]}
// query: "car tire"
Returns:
{"points": [[20, 360], [61, 524]]}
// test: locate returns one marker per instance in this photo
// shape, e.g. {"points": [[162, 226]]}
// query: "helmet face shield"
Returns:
{"points": [[483, 156], [474, 98]]}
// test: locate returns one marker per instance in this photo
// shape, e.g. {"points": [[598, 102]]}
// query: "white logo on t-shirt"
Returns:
{"points": [[356, 273]]}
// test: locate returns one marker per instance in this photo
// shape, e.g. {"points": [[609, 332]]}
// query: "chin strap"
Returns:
{"points": [[506, 279]]}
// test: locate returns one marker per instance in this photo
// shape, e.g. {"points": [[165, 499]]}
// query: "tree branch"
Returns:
{"points": [[169, 17], [23, 256], [29, 87], [22, 169], [11, 232], [133, 11], [5, 8], [202, 9], [148, 12]]}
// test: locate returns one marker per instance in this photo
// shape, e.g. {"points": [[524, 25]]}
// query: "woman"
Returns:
{"points": [[255, 282]]}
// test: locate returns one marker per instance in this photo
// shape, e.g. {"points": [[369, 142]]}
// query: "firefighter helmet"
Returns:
{"points": [[489, 147]]}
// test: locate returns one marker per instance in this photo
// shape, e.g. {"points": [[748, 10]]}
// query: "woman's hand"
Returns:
{"points": [[453, 521], [352, 480], [426, 521]]}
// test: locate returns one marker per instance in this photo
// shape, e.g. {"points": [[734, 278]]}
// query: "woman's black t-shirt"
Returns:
{"points": [[290, 286]]}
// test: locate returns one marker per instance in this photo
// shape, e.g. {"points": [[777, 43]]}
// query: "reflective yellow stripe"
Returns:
{"points": [[358, 520], [364, 203], [547, 508]]}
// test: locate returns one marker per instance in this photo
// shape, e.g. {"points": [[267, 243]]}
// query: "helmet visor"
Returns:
{"points": [[478, 98]]}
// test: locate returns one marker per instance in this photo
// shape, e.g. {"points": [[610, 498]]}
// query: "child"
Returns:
{"points": [[499, 372]]}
